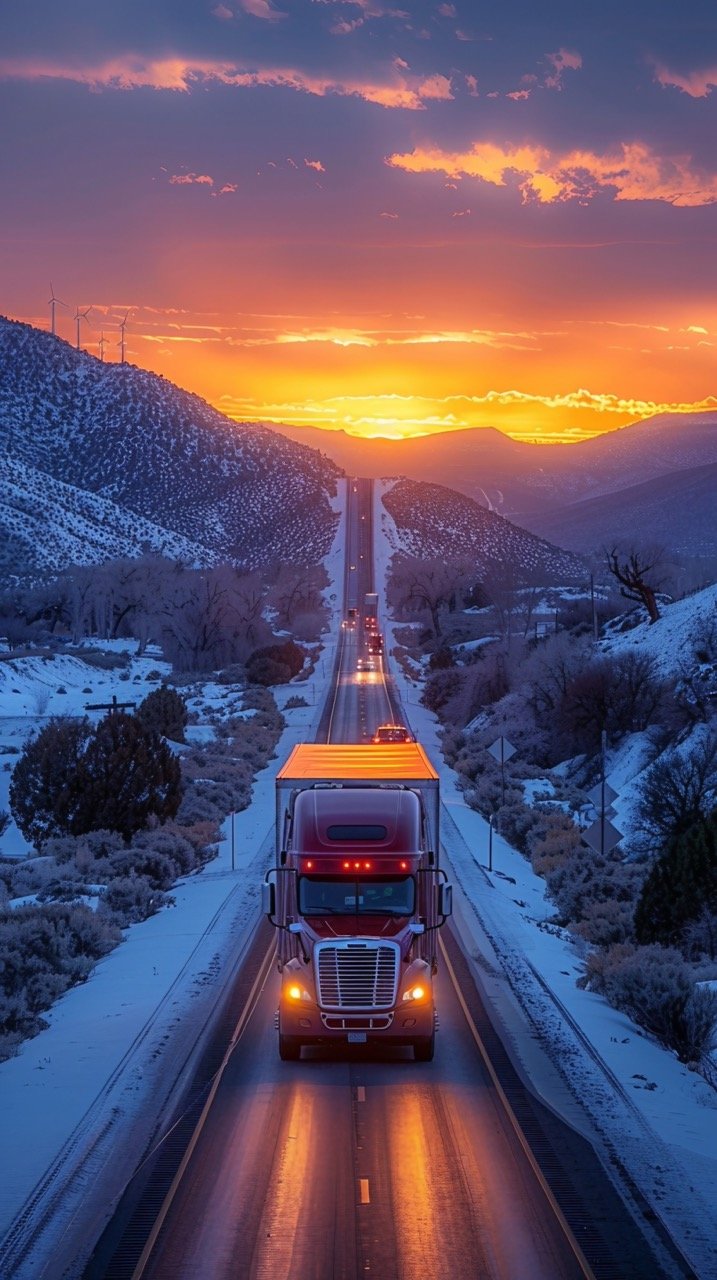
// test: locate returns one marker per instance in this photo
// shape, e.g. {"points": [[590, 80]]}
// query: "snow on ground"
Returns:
{"points": [[636, 1102], [34, 688], [674, 633], [83, 1097], [101, 1071]]}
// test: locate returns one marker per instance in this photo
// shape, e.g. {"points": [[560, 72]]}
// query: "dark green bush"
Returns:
{"points": [[165, 711]]}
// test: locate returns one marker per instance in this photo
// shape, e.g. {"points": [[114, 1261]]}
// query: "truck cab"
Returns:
{"points": [[357, 897]]}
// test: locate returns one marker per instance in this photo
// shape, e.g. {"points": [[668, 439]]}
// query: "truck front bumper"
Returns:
{"points": [[395, 1026]]}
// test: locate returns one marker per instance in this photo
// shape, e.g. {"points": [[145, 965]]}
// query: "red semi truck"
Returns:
{"points": [[357, 896]]}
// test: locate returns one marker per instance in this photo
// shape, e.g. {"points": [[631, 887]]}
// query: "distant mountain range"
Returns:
{"points": [[517, 479], [435, 522], [101, 460], [105, 459], [677, 511]]}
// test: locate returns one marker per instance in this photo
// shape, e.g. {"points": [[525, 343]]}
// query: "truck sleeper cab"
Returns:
{"points": [[357, 898]]}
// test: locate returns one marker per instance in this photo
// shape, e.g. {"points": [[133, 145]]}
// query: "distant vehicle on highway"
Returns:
{"points": [[365, 664], [392, 733]]}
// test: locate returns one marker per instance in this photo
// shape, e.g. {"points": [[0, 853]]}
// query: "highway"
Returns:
{"points": [[362, 1164]]}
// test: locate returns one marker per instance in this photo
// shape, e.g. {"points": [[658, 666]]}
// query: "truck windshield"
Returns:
{"points": [[340, 896]]}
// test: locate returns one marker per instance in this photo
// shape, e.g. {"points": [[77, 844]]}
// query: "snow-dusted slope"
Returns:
{"points": [[432, 521], [132, 438], [45, 524], [682, 641]]}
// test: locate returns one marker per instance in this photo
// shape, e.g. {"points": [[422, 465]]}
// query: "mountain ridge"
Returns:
{"points": [[518, 479], [158, 453]]}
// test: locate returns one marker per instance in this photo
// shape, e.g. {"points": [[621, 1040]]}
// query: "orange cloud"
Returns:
{"points": [[187, 179], [404, 416], [133, 71], [633, 172], [261, 9], [436, 89], [563, 60], [698, 84], [314, 164]]}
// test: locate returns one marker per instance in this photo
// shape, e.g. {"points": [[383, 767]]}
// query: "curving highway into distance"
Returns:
{"points": [[365, 1166]]}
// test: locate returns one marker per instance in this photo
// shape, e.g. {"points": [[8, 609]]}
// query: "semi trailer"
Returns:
{"points": [[357, 896], [370, 611]]}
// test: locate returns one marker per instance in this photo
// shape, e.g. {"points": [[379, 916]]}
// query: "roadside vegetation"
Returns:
{"points": [[119, 809], [642, 914]]}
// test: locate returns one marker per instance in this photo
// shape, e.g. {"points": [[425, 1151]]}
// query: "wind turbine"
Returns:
{"points": [[81, 315], [102, 344], [52, 303], [122, 344]]}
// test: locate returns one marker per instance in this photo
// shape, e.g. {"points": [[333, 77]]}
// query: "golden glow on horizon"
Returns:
{"points": [[534, 384], [513, 412]]}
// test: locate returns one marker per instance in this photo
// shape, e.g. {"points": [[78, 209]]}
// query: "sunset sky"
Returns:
{"points": [[391, 218]]}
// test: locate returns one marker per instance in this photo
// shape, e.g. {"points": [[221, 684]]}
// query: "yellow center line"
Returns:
{"points": [[365, 1197]]}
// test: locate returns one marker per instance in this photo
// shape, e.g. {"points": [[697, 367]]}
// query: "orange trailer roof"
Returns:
{"points": [[357, 762]]}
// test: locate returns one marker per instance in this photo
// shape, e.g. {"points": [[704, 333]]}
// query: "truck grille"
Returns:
{"points": [[357, 975], [357, 1022]]}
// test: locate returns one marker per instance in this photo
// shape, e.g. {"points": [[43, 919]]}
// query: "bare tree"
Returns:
{"points": [[678, 791], [429, 585], [513, 592], [631, 569], [297, 590]]}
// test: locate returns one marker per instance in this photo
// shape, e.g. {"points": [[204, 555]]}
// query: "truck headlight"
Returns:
{"points": [[415, 993], [295, 993]]}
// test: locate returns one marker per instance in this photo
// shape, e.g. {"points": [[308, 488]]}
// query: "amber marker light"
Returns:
{"points": [[294, 993]]}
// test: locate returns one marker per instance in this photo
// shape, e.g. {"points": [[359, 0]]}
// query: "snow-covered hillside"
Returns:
{"points": [[152, 451], [431, 521], [48, 524]]}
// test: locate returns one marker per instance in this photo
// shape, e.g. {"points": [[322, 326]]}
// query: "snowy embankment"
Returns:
{"points": [[81, 1101], [644, 1110]]}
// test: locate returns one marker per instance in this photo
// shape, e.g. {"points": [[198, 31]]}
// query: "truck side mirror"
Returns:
{"points": [[445, 899], [268, 899]]}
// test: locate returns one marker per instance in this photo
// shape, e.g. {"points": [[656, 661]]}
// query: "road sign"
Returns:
{"points": [[602, 795], [602, 836], [501, 750]]}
